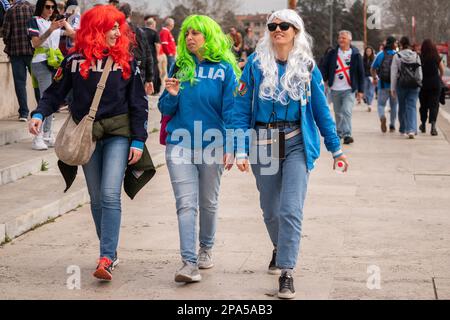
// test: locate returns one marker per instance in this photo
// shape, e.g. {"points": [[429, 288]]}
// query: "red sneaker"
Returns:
{"points": [[104, 269]]}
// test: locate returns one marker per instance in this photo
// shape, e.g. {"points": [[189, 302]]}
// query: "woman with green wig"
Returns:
{"points": [[199, 98]]}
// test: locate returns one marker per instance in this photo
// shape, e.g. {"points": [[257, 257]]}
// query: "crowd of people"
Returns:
{"points": [[227, 99], [397, 74]]}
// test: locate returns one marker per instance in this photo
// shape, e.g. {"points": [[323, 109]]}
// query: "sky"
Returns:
{"points": [[264, 6]]}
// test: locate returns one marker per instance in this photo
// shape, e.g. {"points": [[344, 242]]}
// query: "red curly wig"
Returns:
{"points": [[90, 39]]}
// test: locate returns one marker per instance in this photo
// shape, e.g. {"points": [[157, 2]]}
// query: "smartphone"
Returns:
{"points": [[59, 17]]}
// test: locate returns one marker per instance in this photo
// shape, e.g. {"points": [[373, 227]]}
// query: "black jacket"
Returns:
{"points": [[328, 69], [143, 54]]}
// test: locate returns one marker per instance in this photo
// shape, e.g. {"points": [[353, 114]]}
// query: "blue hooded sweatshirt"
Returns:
{"points": [[207, 104]]}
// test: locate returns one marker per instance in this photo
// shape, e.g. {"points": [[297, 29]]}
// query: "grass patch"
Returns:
{"points": [[44, 165], [7, 240]]}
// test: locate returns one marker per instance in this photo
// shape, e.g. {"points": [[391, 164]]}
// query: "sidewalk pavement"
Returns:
{"points": [[382, 231]]}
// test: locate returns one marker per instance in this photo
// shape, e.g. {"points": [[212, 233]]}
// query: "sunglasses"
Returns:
{"points": [[284, 26], [49, 7]]}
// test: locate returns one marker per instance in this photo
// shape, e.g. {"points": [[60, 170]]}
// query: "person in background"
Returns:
{"points": [[381, 74], [73, 14], [433, 70], [168, 44], [45, 33], [406, 80], [344, 71], [152, 37], [369, 88], [141, 51], [19, 50], [238, 44], [250, 41]]}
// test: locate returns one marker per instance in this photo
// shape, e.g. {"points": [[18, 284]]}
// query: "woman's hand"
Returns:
{"points": [[342, 158], [228, 161], [34, 126], [134, 156], [173, 86], [243, 165], [57, 24]]}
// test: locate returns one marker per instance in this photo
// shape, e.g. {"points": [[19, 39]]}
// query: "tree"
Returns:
{"points": [[220, 10], [353, 21], [316, 14], [432, 18]]}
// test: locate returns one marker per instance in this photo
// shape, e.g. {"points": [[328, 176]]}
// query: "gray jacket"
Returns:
{"points": [[407, 56]]}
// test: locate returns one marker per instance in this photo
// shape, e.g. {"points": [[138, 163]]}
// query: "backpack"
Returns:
{"points": [[384, 72], [409, 75]]}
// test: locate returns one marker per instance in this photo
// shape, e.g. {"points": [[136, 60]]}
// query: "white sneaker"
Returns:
{"points": [[38, 143], [23, 119], [205, 258], [49, 139]]}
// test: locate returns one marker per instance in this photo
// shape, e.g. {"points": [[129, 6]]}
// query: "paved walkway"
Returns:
{"points": [[387, 219]]}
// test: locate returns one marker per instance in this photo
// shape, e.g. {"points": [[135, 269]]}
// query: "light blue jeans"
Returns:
{"points": [[407, 110], [44, 78], [104, 177], [343, 102], [282, 196], [383, 96], [196, 189]]}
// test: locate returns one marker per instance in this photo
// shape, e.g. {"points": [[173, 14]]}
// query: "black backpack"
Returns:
{"points": [[409, 75], [384, 72]]}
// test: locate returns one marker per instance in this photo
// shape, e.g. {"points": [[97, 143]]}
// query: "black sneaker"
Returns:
{"points": [[391, 129], [115, 261], [273, 269], [422, 128], [348, 140], [286, 290]]}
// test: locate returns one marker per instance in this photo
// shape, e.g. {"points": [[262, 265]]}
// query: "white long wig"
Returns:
{"points": [[299, 64]]}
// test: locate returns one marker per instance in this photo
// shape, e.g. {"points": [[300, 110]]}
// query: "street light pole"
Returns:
{"points": [[331, 22]]}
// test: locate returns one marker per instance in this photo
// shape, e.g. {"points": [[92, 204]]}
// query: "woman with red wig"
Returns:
{"points": [[122, 114]]}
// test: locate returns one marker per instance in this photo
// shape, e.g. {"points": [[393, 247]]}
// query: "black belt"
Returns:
{"points": [[279, 124]]}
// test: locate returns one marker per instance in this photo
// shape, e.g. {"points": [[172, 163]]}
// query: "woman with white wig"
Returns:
{"points": [[281, 96]]}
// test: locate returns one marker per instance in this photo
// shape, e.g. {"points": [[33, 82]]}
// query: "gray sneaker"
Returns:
{"points": [[205, 258], [188, 273]]}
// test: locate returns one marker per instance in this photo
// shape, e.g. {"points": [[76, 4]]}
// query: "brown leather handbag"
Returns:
{"points": [[74, 143]]}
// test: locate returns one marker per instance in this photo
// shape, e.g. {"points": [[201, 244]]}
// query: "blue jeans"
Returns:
{"points": [[20, 65], [282, 196], [170, 63], [196, 189], [104, 176], [343, 102], [44, 78], [407, 112], [383, 96], [369, 91]]}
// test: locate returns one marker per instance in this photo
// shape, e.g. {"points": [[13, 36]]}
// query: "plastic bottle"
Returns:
{"points": [[340, 167]]}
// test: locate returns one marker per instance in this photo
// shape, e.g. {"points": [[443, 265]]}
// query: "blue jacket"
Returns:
{"points": [[315, 114], [328, 69], [120, 96], [209, 103]]}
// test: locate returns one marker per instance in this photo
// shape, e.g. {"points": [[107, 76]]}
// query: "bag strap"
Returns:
{"points": [[100, 88]]}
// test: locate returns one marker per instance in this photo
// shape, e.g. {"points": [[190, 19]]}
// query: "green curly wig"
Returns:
{"points": [[217, 47]]}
